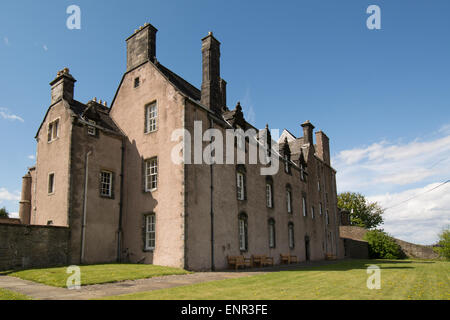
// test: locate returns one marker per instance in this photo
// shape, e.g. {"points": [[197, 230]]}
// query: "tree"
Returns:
{"points": [[443, 246], [382, 245], [3, 213], [362, 213]]}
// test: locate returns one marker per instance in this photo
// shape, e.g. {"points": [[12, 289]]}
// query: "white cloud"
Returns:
{"points": [[391, 173], [384, 166], [45, 47], [417, 215], [6, 41], [14, 215], [9, 196], [31, 157], [5, 114]]}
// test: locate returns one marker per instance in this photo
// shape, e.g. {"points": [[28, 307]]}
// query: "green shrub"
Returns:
{"points": [[444, 244], [382, 245]]}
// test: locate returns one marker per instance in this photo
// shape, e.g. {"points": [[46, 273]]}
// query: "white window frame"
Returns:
{"points": [[312, 212], [240, 186], [108, 184], [151, 174], [152, 117], [289, 201], [269, 203], [272, 233], [291, 238], [242, 234], [150, 232], [52, 191], [304, 206], [286, 164]]}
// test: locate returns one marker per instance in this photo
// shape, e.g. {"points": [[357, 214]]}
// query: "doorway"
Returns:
{"points": [[307, 250]]}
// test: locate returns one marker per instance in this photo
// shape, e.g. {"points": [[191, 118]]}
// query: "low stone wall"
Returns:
{"points": [[417, 251], [25, 246], [411, 250]]}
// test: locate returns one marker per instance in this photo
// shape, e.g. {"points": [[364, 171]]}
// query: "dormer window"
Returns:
{"points": [[302, 172], [53, 130], [91, 129]]}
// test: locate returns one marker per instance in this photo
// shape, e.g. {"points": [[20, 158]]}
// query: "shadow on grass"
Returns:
{"points": [[338, 265]]}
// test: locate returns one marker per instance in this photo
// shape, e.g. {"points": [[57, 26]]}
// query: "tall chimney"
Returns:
{"points": [[63, 86], [308, 133], [141, 46], [211, 81], [25, 201], [323, 147]]}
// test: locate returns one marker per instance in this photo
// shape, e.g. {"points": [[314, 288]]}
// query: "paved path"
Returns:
{"points": [[43, 292]]}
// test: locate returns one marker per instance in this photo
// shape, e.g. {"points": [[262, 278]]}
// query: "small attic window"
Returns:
{"points": [[91, 130], [137, 82]]}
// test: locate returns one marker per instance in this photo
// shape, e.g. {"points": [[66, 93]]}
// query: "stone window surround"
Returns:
{"points": [[147, 129], [53, 183], [146, 233], [272, 233], [243, 232], [51, 124], [146, 176], [111, 184], [291, 235]]}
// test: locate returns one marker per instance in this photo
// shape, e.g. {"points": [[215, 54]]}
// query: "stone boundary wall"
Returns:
{"points": [[28, 246], [417, 251], [410, 249]]}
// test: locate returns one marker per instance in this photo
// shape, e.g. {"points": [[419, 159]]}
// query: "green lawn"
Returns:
{"points": [[96, 274], [10, 295], [402, 279]]}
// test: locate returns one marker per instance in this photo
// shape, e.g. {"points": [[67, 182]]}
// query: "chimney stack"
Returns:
{"points": [[308, 133], [141, 46], [213, 87], [62, 86], [323, 147]]}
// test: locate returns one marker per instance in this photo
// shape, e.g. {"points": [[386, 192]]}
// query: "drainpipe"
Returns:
{"points": [[119, 233], [83, 225], [213, 267]]}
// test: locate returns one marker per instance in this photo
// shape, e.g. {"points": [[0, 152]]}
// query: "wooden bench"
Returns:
{"points": [[238, 261], [329, 256], [262, 260], [288, 259]]}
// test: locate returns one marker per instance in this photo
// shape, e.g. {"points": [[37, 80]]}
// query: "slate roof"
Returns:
{"points": [[98, 113], [184, 86]]}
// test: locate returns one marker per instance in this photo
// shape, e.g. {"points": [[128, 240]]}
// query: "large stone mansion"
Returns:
{"points": [[106, 173]]}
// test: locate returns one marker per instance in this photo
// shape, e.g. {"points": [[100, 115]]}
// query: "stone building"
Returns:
{"points": [[107, 174]]}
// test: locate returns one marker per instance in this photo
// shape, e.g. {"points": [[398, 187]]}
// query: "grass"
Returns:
{"points": [[96, 274], [10, 295], [400, 280]]}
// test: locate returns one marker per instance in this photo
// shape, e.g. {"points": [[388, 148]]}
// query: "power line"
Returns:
{"points": [[418, 195]]}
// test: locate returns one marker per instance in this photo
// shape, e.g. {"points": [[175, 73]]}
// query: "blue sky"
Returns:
{"points": [[382, 96]]}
